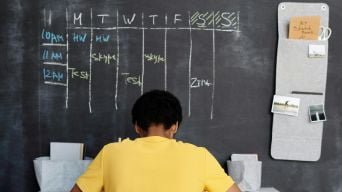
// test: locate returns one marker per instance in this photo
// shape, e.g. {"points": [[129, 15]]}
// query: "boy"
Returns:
{"points": [[155, 162]]}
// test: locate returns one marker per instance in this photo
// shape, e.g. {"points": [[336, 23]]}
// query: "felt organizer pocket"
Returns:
{"points": [[298, 134], [296, 71], [295, 137]]}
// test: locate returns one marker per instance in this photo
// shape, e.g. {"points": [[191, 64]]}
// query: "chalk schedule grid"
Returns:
{"points": [[101, 39]]}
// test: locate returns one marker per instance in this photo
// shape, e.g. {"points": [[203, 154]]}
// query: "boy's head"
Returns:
{"points": [[156, 108]]}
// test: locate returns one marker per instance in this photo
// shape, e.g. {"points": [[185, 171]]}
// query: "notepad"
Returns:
{"points": [[304, 27], [66, 151]]}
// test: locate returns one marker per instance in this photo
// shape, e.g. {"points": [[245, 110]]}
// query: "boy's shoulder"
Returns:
{"points": [[118, 144], [127, 143], [191, 147]]}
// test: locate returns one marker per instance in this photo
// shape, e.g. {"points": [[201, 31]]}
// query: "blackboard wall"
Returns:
{"points": [[232, 117]]}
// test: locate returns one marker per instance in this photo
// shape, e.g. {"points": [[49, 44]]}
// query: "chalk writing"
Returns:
{"points": [[76, 37], [102, 16], [51, 37], [196, 82], [96, 32], [52, 55], [154, 58], [79, 74], [132, 79], [106, 58], [223, 21], [78, 18], [52, 75], [220, 19], [128, 20], [102, 38]]}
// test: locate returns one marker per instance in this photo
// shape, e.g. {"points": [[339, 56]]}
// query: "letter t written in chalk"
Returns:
{"points": [[153, 18], [102, 17]]}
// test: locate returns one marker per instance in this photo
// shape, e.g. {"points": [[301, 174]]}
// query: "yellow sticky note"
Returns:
{"points": [[304, 27]]}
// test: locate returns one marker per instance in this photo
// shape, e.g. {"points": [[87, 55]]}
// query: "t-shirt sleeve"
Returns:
{"points": [[215, 179], [92, 178]]}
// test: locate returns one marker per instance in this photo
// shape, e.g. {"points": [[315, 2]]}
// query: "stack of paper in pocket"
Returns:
{"points": [[66, 151], [245, 169]]}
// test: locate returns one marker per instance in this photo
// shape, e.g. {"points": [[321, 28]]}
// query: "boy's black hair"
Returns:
{"points": [[156, 107]]}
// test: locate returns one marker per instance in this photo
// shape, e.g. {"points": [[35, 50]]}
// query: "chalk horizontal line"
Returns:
{"points": [[53, 44], [55, 83], [54, 63], [155, 28]]}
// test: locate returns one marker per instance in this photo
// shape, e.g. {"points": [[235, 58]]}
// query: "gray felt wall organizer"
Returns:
{"points": [[296, 138]]}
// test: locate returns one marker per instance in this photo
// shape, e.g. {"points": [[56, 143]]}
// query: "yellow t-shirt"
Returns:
{"points": [[154, 164]]}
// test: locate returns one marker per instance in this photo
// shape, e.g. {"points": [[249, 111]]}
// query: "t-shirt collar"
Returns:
{"points": [[153, 139]]}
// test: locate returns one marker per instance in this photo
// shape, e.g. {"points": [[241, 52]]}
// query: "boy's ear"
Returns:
{"points": [[175, 128], [137, 129]]}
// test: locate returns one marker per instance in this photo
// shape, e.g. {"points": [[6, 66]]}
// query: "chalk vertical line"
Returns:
{"points": [[67, 60], [50, 17], [165, 55], [189, 74], [238, 21], [142, 55], [117, 59], [44, 13], [214, 73], [90, 61]]}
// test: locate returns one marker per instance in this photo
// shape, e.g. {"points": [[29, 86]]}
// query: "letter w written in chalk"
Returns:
{"points": [[128, 20]]}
